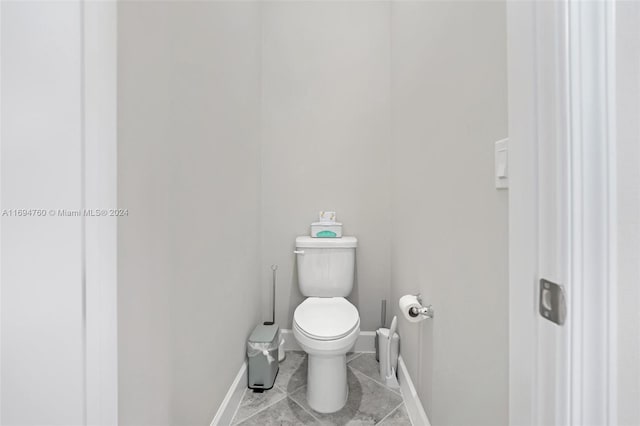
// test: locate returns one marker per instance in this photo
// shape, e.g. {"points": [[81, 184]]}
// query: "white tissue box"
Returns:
{"points": [[325, 230], [327, 217]]}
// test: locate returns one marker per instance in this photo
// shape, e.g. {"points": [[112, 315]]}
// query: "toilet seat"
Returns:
{"points": [[326, 318]]}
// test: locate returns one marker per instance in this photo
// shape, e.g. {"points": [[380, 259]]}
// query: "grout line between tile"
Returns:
{"points": [[296, 389], [380, 382], [357, 355], [265, 407], [235, 412], [390, 413], [360, 373], [305, 410], [376, 380]]}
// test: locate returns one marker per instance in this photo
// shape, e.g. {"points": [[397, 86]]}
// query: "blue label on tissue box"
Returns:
{"points": [[326, 234]]}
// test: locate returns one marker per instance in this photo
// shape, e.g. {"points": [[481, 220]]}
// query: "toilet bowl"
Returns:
{"points": [[326, 328]]}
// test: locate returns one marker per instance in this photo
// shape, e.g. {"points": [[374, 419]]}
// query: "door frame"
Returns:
{"points": [[588, 82], [593, 189]]}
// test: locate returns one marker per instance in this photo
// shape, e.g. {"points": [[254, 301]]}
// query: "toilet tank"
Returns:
{"points": [[326, 266]]}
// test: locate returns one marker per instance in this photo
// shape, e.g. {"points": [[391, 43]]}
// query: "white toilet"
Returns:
{"points": [[326, 325]]}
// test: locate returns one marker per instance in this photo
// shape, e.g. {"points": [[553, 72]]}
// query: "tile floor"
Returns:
{"points": [[369, 403]]}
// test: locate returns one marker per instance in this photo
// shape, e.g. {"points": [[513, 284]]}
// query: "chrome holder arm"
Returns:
{"points": [[424, 311]]}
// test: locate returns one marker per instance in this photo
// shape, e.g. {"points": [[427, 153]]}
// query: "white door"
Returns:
{"points": [[561, 156]]}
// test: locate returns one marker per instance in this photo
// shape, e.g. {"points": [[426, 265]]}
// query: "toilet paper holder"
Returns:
{"points": [[424, 311]]}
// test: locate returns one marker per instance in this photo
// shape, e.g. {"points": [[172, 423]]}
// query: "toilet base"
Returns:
{"points": [[327, 388]]}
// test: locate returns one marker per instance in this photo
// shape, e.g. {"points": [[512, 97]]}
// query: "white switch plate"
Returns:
{"points": [[501, 164]]}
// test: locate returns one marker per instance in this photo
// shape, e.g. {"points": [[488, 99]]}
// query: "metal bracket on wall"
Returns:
{"points": [[552, 302]]}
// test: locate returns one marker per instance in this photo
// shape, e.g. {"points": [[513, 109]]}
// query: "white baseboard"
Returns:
{"points": [[365, 342], [411, 400], [232, 399]]}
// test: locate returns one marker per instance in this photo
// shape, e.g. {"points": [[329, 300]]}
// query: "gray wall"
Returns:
{"points": [[449, 223], [189, 175], [239, 122], [325, 140], [628, 211]]}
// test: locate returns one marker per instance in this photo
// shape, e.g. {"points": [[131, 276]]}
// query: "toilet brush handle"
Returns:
{"points": [[274, 268]]}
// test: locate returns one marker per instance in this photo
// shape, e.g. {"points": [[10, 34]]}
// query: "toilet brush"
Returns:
{"points": [[383, 320], [281, 353], [391, 380], [274, 268]]}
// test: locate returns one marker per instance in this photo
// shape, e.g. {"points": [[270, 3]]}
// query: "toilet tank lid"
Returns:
{"points": [[343, 242]]}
